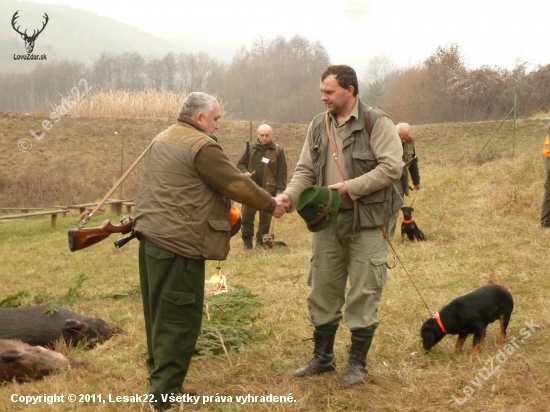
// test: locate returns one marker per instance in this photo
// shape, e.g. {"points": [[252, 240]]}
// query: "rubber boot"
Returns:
{"points": [[357, 371], [323, 357], [247, 239]]}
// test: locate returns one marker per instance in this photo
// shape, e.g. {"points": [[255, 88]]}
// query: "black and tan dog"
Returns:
{"points": [[409, 227], [468, 314], [268, 241]]}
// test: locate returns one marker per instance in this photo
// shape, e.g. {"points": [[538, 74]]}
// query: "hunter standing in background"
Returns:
{"points": [[402, 185], [265, 163], [342, 153], [182, 219], [545, 211]]}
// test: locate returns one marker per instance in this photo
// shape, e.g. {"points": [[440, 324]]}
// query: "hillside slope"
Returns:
{"points": [[80, 158]]}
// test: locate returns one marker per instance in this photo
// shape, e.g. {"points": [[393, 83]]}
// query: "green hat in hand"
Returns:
{"points": [[318, 205]]}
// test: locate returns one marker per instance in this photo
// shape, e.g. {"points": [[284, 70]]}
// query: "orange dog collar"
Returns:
{"points": [[408, 221], [438, 320]]}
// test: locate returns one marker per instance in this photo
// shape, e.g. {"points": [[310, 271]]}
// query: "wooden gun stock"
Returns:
{"points": [[82, 238]]}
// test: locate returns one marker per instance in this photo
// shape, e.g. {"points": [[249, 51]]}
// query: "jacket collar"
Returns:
{"points": [[189, 122], [270, 145], [356, 117]]}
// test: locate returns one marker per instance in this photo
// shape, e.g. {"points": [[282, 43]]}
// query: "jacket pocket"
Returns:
{"points": [[271, 186], [377, 273], [316, 153], [374, 209], [364, 161], [216, 240]]}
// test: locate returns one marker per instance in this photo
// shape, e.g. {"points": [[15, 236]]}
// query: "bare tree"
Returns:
{"points": [[168, 69], [377, 77], [276, 80]]}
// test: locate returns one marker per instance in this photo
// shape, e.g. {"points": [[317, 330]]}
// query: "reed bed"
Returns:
{"points": [[147, 103]]}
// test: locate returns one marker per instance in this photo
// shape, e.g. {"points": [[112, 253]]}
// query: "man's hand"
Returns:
{"points": [[341, 186], [280, 209], [417, 187], [285, 200]]}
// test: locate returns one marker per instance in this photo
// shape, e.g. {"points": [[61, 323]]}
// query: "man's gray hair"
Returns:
{"points": [[197, 102]]}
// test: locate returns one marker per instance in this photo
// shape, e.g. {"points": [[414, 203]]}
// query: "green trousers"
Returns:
{"points": [[248, 215], [172, 289]]}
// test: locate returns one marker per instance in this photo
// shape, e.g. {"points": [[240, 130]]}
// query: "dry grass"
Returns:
{"points": [[147, 103], [481, 222], [81, 158]]}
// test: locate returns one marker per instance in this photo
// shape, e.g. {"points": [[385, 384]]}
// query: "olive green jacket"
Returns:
{"points": [[184, 199], [270, 176], [373, 164]]}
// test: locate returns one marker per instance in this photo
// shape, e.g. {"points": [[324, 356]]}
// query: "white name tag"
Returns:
{"points": [[265, 160]]}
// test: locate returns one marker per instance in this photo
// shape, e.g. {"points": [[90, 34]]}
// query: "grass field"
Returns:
{"points": [[480, 218]]}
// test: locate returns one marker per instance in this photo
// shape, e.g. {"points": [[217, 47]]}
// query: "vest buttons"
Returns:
{"points": [[353, 139]]}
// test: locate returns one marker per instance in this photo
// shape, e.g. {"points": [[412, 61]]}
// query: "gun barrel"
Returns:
{"points": [[123, 240], [410, 162]]}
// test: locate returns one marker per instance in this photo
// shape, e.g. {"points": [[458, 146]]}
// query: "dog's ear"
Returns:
{"points": [[403, 207], [412, 210]]}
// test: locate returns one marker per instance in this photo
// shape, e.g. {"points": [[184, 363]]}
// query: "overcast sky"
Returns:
{"points": [[489, 32]]}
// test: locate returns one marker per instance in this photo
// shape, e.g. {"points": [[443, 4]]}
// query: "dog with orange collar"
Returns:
{"points": [[268, 241], [470, 314], [409, 227]]}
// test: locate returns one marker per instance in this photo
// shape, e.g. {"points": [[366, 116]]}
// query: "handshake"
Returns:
{"points": [[283, 205]]}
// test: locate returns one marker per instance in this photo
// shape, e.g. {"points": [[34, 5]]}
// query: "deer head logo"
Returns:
{"points": [[29, 40]]}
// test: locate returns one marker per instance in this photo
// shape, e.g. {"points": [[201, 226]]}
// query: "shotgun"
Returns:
{"points": [[410, 162], [82, 238]]}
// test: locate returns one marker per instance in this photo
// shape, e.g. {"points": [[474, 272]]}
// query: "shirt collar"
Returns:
{"points": [[353, 114]]}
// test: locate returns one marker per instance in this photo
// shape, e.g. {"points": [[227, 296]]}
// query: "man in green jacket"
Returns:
{"points": [[182, 219], [265, 163], [340, 152]]}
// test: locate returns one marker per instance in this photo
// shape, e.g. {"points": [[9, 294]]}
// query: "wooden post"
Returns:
{"points": [[54, 220]]}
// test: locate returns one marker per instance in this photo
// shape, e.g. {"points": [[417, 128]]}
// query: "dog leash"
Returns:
{"points": [[405, 269]]}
